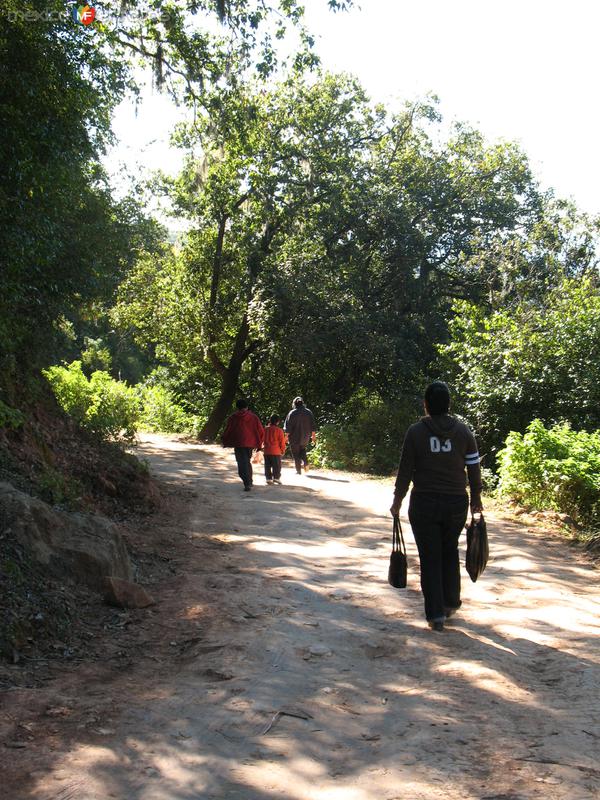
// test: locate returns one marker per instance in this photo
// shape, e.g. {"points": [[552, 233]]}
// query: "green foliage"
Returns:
{"points": [[57, 91], [115, 410], [318, 220], [10, 417], [553, 468], [64, 241], [109, 409], [162, 413], [364, 435], [72, 389], [539, 359], [58, 489], [96, 355]]}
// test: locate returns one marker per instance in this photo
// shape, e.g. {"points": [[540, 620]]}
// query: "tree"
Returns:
{"points": [[64, 242], [387, 260], [330, 242], [537, 360], [272, 160], [60, 232]]}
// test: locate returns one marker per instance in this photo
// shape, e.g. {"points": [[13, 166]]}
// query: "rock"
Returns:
{"points": [[83, 547], [124, 594], [319, 650]]}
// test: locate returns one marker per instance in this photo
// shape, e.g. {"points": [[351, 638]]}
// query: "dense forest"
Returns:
{"points": [[334, 248]]}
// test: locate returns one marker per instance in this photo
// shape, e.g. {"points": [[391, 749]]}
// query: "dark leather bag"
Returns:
{"points": [[398, 563], [478, 550]]}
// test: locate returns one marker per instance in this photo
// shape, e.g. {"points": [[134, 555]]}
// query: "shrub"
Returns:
{"points": [[71, 388], [108, 408], [533, 360], [115, 409], [10, 417], [553, 468], [56, 488], [161, 412], [365, 435]]}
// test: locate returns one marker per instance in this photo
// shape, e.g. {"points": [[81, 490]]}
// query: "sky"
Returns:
{"points": [[525, 70]]}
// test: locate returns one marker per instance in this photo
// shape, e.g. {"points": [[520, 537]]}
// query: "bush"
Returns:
{"points": [[534, 360], [71, 388], [10, 417], [108, 408], [555, 468], [365, 435], [161, 412]]}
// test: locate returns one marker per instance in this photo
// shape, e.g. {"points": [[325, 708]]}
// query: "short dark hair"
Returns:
{"points": [[437, 398], [298, 401], [274, 419], [241, 403]]}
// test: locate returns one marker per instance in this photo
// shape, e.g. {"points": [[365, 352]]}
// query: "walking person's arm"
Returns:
{"points": [[405, 474], [282, 441], [474, 475], [260, 434]]}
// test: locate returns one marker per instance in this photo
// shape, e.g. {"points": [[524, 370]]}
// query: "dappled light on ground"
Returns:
{"points": [[301, 674]]}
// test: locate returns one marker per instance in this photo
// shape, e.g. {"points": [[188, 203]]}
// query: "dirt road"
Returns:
{"points": [[280, 664]]}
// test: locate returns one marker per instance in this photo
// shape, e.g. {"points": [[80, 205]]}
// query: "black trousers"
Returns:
{"points": [[272, 467], [437, 520], [300, 457], [243, 456]]}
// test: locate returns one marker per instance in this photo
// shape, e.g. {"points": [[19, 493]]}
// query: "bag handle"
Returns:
{"points": [[480, 513], [397, 537]]}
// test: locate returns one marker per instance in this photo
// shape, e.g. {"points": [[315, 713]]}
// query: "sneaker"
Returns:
{"points": [[276, 480], [436, 624], [269, 483]]}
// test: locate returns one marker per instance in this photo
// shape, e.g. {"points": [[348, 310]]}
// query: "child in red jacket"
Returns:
{"points": [[274, 448]]}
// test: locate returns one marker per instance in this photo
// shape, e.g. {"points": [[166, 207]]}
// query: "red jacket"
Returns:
{"points": [[243, 429], [274, 441]]}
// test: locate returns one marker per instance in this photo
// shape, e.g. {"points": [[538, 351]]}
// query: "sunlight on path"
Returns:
{"points": [[318, 681]]}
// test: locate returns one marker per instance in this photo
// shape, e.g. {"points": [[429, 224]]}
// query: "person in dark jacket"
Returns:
{"points": [[300, 428], [245, 433], [435, 453]]}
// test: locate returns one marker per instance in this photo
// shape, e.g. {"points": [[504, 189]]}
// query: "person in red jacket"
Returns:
{"points": [[274, 448], [245, 433]]}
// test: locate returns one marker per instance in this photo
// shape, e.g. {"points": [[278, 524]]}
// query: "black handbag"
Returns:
{"points": [[478, 550], [398, 563]]}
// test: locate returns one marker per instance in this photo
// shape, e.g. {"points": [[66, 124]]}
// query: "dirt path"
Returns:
{"points": [[282, 665]]}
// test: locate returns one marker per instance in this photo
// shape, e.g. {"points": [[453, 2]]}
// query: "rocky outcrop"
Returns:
{"points": [[86, 548]]}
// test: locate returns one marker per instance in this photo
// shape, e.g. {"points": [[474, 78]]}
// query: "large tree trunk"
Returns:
{"points": [[223, 405], [230, 375]]}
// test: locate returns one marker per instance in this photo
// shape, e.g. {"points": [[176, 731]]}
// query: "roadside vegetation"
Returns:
{"points": [[334, 248]]}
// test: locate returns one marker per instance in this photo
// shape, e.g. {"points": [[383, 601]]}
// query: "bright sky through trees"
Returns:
{"points": [[517, 69]]}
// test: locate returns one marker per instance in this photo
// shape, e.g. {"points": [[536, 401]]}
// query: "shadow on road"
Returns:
{"points": [[290, 613]]}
